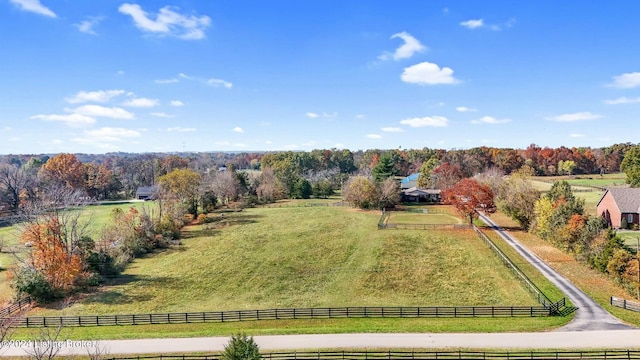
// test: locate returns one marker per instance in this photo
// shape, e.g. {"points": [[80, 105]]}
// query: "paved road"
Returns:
{"points": [[590, 315], [603, 339]]}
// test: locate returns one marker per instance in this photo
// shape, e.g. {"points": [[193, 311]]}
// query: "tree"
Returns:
{"points": [[14, 180], [360, 192], [301, 189], [470, 197], [384, 167], [267, 189], [65, 169], [225, 185], [631, 166], [182, 185], [517, 196], [446, 176], [389, 193], [241, 347], [426, 173]]}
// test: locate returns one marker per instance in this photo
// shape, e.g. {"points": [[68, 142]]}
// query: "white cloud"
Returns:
{"points": [[167, 22], [434, 121], [622, 100], [101, 96], [576, 135], [34, 6], [86, 26], [219, 82], [141, 102], [408, 49], [626, 81], [324, 115], [239, 145], [392, 129], [162, 115], [490, 120], [103, 137], [473, 24], [120, 72], [374, 136], [237, 129], [361, 116], [580, 116], [185, 76], [68, 119], [181, 129], [479, 23], [102, 111], [427, 73], [57, 141], [465, 109], [339, 146], [167, 81], [176, 103]]}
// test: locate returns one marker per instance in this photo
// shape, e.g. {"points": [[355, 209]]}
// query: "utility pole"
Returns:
{"points": [[638, 261]]}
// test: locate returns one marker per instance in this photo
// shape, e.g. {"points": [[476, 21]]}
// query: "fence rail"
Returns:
{"points": [[625, 304], [558, 308], [416, 355], [302, 204], [15, 307], [399, 226], [283, 314]]}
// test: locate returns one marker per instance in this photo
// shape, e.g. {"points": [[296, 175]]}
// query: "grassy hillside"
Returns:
{"points": [[309, 257]]}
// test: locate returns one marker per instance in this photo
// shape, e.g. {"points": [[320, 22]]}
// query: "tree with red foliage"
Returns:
{"points": [[469, 197]]}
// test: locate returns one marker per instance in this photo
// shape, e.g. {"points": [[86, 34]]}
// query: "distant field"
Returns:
{"points": [[630, 238], [95, 216]]}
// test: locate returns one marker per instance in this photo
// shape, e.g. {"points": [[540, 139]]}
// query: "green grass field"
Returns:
{"points": [[402, 217], [310, 257]]}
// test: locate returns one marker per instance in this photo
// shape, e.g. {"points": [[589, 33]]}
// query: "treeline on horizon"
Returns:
{"points": [[114, 176]]}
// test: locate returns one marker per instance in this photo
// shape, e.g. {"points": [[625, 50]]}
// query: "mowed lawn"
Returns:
{"points": [[308, 257], [402, 217]]}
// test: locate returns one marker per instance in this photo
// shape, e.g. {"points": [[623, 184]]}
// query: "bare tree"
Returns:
{"points": [[45, 345], [14, 180], [98, 351], [225, 186]]}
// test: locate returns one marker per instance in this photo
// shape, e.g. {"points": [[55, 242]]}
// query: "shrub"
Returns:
{"points": [[624, 224], [241, 347], [28, 281]]}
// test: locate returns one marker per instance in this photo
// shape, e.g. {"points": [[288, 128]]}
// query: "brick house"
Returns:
{"points": [[620, 203]]}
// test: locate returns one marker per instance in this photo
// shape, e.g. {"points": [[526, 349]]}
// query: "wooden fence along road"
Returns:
{"points": [[415, 355], [282, 314], [625, 304]]}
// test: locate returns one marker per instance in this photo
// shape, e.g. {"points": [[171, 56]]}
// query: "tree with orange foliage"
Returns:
{"points": [[50, 255], [65, 169], [470, 197]]}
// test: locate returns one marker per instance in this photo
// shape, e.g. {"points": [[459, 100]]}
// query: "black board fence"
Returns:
{"points": [[557, 308], [15, 307], [625, 304], [415, 355], [282, 314]]}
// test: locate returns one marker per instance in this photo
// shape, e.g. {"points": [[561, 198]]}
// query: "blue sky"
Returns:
{"points": [[103, 75]]}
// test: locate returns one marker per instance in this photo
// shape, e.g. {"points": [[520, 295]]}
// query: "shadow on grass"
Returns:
{"points": [[111, 297], [115, 297]]}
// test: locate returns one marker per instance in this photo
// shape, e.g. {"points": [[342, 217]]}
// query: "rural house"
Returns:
{"points": [[618, 204], [146, 192]]}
